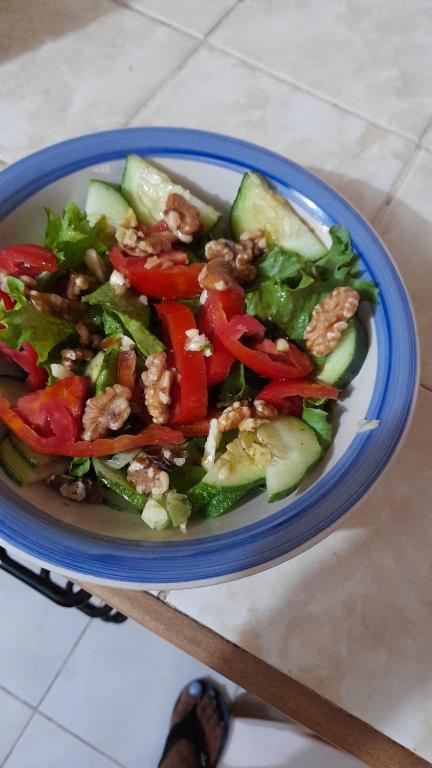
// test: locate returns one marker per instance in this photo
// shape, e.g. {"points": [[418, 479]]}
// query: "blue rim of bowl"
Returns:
{"points": [[35, 533]]}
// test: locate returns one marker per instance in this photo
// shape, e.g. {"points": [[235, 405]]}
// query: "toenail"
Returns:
{"points": [[194, 688]]}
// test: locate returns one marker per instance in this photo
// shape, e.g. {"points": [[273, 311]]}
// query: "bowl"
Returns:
{"points": [[96, 543]]}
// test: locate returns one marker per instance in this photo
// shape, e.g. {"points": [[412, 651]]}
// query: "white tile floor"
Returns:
{"points": [[80, 693]]}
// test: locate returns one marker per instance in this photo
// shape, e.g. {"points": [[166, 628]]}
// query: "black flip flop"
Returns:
{"points": [[189, 728]]}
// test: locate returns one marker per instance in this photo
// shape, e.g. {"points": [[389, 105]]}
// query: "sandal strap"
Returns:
{"points": [[187, 729]]}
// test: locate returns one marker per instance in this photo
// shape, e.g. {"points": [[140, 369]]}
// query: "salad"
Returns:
{"points": [[168, 362]]}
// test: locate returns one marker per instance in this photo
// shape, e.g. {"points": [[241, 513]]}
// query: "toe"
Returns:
{"points": [[189, 698]]}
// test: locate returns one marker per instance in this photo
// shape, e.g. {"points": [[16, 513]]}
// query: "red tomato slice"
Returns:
{"points": [[27, 359], [287, 396], [189, 393], [171, 282], [155, 434], [126, 369], [27, 259], [57, 409], [218, 365], [256, 360]]}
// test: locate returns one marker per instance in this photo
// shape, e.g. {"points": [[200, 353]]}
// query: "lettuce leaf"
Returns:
{"points": [[124, 313], [317, 418], [288, 287], [25, 323], [235, 387], [69, 234]]}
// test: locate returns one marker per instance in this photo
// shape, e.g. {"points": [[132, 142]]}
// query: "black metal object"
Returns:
{"points": [[66, 596]]}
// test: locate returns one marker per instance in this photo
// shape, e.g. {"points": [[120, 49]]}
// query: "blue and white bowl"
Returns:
{"points": [[96, 543]]}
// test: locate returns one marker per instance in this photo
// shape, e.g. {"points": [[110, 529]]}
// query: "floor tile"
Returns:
{"points": [[350, 617], [36, 637], [13, 717], [407, 230], [217, 92], [78, 68], [193, 16], [373, 58], [118, 689], [45, 745]]}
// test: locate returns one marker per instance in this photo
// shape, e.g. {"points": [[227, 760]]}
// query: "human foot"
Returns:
{"points": [[198, 728]]}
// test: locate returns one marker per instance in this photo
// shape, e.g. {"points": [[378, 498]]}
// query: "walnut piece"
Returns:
{"points": [[108, 410], [77, 488], [70, 357], [245, 417], [157, 381], [146, 477], [329, 320], [76, 284], [229, 261], [182, 217], [137, 241], [53, 304]]}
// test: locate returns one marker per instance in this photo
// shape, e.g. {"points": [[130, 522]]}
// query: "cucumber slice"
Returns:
{"points": [[105, 200], [257, 206], [94, 366], [32, 457], [12, 388], [113, 500], [294, 447], [342, 365], [213, 501], [244, 462], [20, 471], [117, 481], [146, 189]]}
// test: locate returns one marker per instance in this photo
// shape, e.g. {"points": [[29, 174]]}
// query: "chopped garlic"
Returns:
{"points": [[197, 342], [282, 345], [60, 371], [203, 297], [143, 299], [211, 445], [366, 425], [119, 282], [126, 344]]}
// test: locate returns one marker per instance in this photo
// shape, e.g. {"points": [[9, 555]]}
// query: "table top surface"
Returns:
{"points": [[351, 617]]}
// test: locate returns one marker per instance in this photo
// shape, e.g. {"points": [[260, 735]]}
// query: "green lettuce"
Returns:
{"points": [[25, 323], [235, 386], [288, 287], [317, 418], [69, 234], [124, 313]]}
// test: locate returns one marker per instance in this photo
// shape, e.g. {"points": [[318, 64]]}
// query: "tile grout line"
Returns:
{"points": [[83, 741], [64, 662], [182, 65], [403, 174], [160, 19], [17, 698], [288, 81], [18, 738]]}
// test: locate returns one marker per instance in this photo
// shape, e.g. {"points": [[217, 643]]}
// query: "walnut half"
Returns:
{"points": [[157, 381], [330, 319], [182, 217], [146, 477], [108, 410]]}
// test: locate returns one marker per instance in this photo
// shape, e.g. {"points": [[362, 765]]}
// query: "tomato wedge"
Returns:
{"points": [[27, 259], [126, 369], [26, 358], [57, 409], [229, 332], [218, 365], [171, 282], [287, 396], [189, 392], [155, 434]]}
